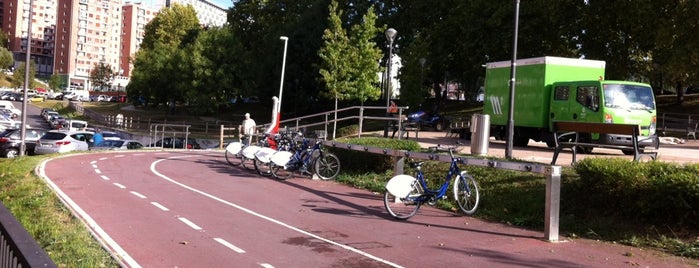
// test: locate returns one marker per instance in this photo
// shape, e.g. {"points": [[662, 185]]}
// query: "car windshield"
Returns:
{"points": [[633, 97]]}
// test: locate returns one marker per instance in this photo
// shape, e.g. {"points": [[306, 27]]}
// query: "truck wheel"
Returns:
{"points": [[520, 141], [586, 149], [439, 126]]}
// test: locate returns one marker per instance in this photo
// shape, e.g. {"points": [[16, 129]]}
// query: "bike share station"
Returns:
{"points": [[480, 133]]}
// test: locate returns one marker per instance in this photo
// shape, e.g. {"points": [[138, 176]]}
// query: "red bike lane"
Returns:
{"points": [[191, 209]]}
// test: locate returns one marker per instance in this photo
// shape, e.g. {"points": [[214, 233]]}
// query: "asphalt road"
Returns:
{"points": [[191, 209]]}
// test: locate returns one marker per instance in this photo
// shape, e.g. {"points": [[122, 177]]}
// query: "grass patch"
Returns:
{"points": [[36, 207]]}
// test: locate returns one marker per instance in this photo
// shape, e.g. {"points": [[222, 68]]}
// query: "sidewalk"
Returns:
{"points": [[538, 151]]}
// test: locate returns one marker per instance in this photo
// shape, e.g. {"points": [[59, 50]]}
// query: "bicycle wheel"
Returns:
{"points": [[282, 173], [262, 168], [401, 209], [234, 159], [248, 163], [327, 167], [466, 193]]}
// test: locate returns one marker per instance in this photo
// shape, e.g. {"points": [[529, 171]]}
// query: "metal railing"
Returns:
{"points": [[17, 247], [326, 119], [552, 174]]}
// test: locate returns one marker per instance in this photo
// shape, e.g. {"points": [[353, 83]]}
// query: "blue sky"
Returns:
{"points": [[223, 3]]}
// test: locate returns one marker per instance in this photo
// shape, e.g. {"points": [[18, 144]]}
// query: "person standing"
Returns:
{"points": [[97, 139], [248, 128]]}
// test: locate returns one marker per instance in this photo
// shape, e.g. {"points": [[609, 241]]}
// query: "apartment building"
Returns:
{"points": [[15, 22], [208, 13], [135, 16], [70, 37]]}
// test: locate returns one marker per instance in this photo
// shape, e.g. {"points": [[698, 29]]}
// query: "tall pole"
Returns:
{"points": [[513, 65], [422, 72], [390, 36], [27, 65], [281, 81]]}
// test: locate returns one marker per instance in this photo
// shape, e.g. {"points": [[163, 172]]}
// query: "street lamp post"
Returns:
{"points": [[422, 72], [278, 109], [281, 81], [27, 65], [390, 36]]}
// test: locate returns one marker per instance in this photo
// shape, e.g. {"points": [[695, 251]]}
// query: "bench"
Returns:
{"points": [[405, 128], [568, 135], [668, 125], [459, 128]]}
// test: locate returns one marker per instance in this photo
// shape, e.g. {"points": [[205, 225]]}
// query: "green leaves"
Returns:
{"points": [[349, 64]]}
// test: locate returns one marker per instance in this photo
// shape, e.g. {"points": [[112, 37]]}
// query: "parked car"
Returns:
{"points": [[60, 141], [176, 142], [36, 98], [99, 98], [424, 119], [118, 145], [10, 141], [54, 95], [111, 135]]}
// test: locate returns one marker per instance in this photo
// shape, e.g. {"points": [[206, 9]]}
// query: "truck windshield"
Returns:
{"points": [[633, 97]]}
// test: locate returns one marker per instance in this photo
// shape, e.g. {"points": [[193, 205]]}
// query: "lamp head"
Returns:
{"points": [[391, 34], [283, 38]]}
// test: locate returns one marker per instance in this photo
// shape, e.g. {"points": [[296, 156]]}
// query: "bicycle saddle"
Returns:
{"points": [[415, 164]]}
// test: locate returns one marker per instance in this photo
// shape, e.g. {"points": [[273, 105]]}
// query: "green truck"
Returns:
{"points": [[563, 89]]}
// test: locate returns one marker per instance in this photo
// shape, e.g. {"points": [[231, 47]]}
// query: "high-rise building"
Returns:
{"points": [[15, 22], [88, 32], [208, 13], [135, 16], [71, 37]]}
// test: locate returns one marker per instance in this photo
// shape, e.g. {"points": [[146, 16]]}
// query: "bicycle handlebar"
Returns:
{"points": [[441, 148]]}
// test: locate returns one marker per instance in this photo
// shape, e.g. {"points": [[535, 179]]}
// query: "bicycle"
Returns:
{"points": [[242, 152], [405, 194], [306, 160], [262, 160]]}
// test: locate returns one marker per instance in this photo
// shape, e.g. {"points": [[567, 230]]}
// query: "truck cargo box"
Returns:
{"points": [[534, 79]]}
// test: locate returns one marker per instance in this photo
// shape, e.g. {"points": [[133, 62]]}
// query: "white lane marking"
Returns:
{"points": [[104, 177], [93, 162], [188, 222], [121, 255], [103, 158], [121, 155], [119, 185], [352, 249], [138, 194], [94, 166], [229, 245], [161, 207], [98, 171], [266, 265]]}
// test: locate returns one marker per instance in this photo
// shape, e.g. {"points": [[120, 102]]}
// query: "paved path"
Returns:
{"points": [[191, 209]]}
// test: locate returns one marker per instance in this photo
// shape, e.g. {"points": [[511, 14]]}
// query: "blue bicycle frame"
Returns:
{"points": [[441, 192]]}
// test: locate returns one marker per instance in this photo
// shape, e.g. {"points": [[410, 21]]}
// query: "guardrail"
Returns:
{"points": [[552, 174], [17, 247]]}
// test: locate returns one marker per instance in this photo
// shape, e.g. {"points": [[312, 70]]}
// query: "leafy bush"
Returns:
{"points": [[651, 192], [357, 161]]}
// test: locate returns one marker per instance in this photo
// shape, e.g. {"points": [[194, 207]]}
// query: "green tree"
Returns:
{"points": [[18, 76], [6, 58], [336, 68], [365, 58], [4, 38], [101, 76], [55, 82], [161, 67]]}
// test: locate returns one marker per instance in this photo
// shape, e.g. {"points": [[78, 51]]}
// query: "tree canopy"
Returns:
{"points": [[333, 48]]}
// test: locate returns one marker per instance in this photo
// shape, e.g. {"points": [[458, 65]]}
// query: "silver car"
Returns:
{"points": [[57, 141]]}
